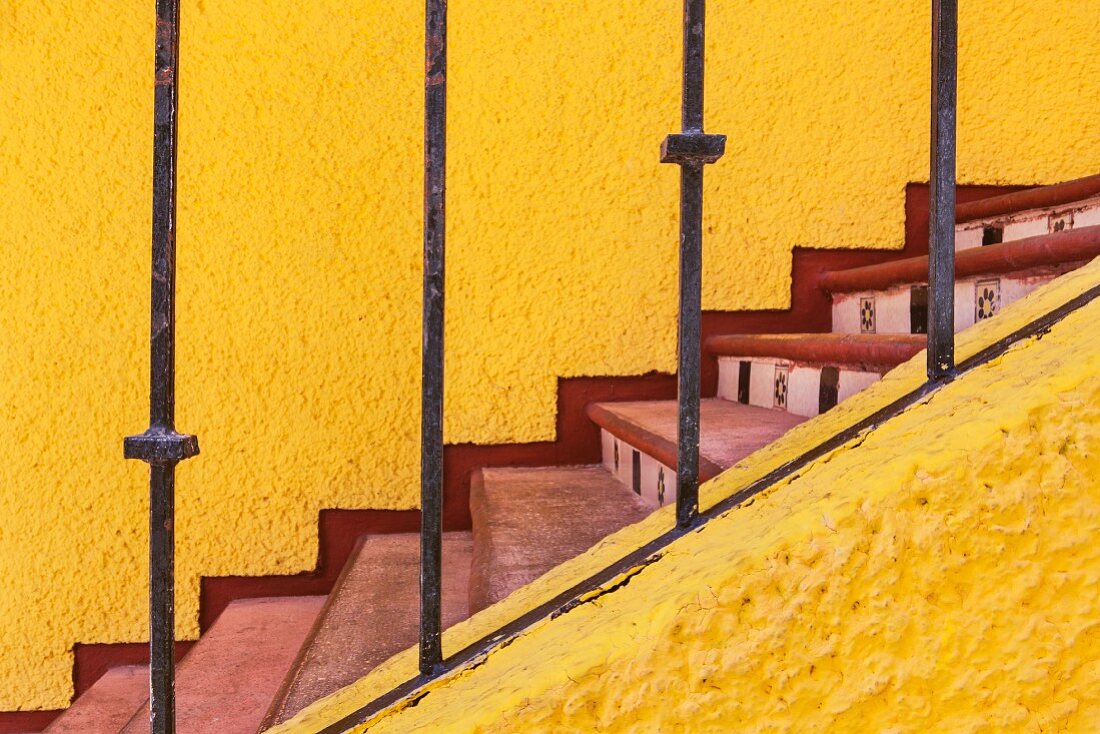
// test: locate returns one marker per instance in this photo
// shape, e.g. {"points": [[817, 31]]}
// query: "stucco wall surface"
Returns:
{"points": [[299, 243], [937, 572]]}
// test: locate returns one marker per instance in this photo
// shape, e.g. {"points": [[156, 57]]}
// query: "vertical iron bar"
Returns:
{"points": [[162, 607], [691, 273], [165, 115], [688, 343], [691, 150], [162, 403], [431, 421], [161, 446], [941, 202], [695, 12]]}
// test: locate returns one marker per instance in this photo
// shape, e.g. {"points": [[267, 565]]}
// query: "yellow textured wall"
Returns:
{"points": [[936, 573], [299, 243]]}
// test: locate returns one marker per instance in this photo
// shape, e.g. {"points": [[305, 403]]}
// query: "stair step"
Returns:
{"points": [[891, 297], [1075, 246], [229, 678], [371, 614], [1036, 211], [639, 440], [805, 374], [527, 521], [868, 352], [108, 705]]}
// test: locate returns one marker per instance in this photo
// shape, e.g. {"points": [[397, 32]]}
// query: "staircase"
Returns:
{"points": [[263, 660]]}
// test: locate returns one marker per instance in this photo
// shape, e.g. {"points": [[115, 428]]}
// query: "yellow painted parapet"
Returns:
{"points": [[938, 572], [299, 242]]}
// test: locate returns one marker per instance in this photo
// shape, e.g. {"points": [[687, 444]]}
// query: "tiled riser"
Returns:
{"points": [[655, 482], [805, 390], [1028, 224], [903, 309]]}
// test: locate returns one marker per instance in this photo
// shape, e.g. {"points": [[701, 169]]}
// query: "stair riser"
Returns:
{"points": [[785, 385], [1030, 223], [903, 309], [656, 482], [638, 471]]}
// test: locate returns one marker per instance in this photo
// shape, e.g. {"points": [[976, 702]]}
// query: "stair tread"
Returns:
{"points": [[229, 678], [528, 520], [1039, 197], [872, 350], [728, 431], [107, 705], [371, 614], [1043, 251]]}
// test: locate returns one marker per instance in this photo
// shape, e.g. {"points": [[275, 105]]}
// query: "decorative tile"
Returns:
{"points": [[866, 315], [636, 475], [728, 377], [658, 482], [918, 309], [1060, 221], [968, 237], [607, 451], [1019, 229], [845, 313], [852, 382], [743, 375], [1088, 215], [829, 390], [782, 380], [987, 299], [803, 384], [762, 384]]}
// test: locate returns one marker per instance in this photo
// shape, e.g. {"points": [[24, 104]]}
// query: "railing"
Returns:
{"points": [[691, 150], [162, 447], [941, 191], [431, 414]]}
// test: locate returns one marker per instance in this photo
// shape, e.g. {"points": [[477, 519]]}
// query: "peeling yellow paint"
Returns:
{"points": [[299, 243], [939, 576]]}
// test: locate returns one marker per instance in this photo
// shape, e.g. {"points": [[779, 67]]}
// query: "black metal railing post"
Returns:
{"points": [[691, 149], [431, 416], [941, 193], [161, 446]]}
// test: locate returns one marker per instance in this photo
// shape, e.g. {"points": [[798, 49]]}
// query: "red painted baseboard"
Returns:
{"points": [[90, 662], [21, 722], [577, 442]]}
